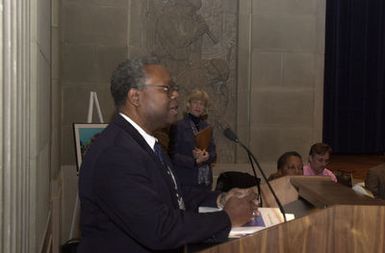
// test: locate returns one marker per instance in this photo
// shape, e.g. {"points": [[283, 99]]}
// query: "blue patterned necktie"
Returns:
{"points": [[159, 154]]}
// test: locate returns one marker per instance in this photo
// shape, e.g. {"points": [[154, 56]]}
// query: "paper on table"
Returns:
{"points": [[360, 189], [267, 217]]}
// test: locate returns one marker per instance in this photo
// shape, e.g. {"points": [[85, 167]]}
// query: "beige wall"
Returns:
{"points": [[280, 76], [278, 91], [42, 114], [93, 40]]}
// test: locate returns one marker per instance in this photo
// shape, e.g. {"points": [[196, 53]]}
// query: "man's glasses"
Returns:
{"points": [[169, 89]]}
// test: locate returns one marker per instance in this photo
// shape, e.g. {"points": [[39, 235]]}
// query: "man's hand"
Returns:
{"points": [[239, 193], [240, 204], [240, 210]]}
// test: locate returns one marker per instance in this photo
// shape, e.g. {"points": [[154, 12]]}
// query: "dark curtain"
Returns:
{"points": [[354, 92]]}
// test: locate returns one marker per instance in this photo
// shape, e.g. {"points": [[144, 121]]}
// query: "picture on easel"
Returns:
{"points": [[85, 134]]}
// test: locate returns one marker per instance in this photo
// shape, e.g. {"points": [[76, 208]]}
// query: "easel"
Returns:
{"points": [[93, 100]]}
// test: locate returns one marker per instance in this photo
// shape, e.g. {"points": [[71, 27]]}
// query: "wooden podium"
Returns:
{"points": [[339, 220]]}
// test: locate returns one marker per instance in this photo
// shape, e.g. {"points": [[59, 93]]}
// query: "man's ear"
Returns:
{"points": [[133, 96]]}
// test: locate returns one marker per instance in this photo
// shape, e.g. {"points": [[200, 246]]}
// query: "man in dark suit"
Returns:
{"points": [[130, 198]]}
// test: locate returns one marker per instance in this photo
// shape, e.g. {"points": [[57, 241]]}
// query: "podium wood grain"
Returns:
{"points": [[323, 193], [358, 225], [340, 228]]}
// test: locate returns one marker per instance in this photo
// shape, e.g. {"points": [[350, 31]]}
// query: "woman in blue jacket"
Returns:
{"points": [[192, 165]]}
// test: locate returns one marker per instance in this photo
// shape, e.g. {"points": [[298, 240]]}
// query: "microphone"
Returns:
{"points": [[229, 134], [257, 180], [233, 137]]}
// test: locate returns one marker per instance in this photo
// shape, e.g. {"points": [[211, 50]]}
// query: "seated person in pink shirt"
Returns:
{"points": [[319, 156]]}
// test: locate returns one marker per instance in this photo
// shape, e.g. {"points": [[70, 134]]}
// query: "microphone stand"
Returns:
{"points": [[258, 181], [264, 177]]}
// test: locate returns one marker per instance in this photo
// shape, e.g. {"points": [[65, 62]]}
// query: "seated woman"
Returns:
{"points": [[288, 164], [319, 156], [192, 165]]}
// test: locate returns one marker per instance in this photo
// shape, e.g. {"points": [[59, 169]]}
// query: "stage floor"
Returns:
{"points": [[358, 165]]}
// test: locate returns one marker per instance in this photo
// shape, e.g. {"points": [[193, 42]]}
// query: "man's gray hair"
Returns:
{"points": [[129, 74]]}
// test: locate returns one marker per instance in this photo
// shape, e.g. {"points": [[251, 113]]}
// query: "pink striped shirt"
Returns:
{"points": [[308, 171]]}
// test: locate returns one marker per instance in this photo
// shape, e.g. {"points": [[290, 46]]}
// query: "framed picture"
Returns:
{"points": [[85, 134]]}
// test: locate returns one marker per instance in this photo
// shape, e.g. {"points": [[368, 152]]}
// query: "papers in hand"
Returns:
{"points": [[203, 138], [267, 217], [360, 189]]}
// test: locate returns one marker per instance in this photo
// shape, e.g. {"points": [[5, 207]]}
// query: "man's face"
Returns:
{"points": [[293, 166], [319, 162], [158, 101]]}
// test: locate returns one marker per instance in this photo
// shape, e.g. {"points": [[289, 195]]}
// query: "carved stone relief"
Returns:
{"points": [[196, 40]]}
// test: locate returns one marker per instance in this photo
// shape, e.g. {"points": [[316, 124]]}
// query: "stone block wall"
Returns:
{"points": [[281, 53], [93, 40], [260, 60]]}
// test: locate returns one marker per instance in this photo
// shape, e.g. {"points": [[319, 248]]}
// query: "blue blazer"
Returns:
{"points": [[182, 142], [128, 201]]}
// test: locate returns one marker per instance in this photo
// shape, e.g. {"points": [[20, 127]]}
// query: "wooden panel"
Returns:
{"points": [[284, 189], [352, 229], [323, 193]]}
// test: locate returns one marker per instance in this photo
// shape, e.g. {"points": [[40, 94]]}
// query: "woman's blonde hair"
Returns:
{"points": [[198, 94]]}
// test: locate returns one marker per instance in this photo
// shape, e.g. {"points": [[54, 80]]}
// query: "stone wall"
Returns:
{"points": [[280, 76], [93, 40], [195, 40], [260, 61]]}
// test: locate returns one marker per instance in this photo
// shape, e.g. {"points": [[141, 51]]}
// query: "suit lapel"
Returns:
{"points": [[127, 127]]}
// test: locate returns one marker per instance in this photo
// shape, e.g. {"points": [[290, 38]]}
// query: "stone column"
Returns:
{"points": [[17, 227]]}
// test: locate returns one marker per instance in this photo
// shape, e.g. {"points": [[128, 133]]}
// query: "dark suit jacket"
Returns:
{"points": [[182, 142], [375, 181], [128, 201]]}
